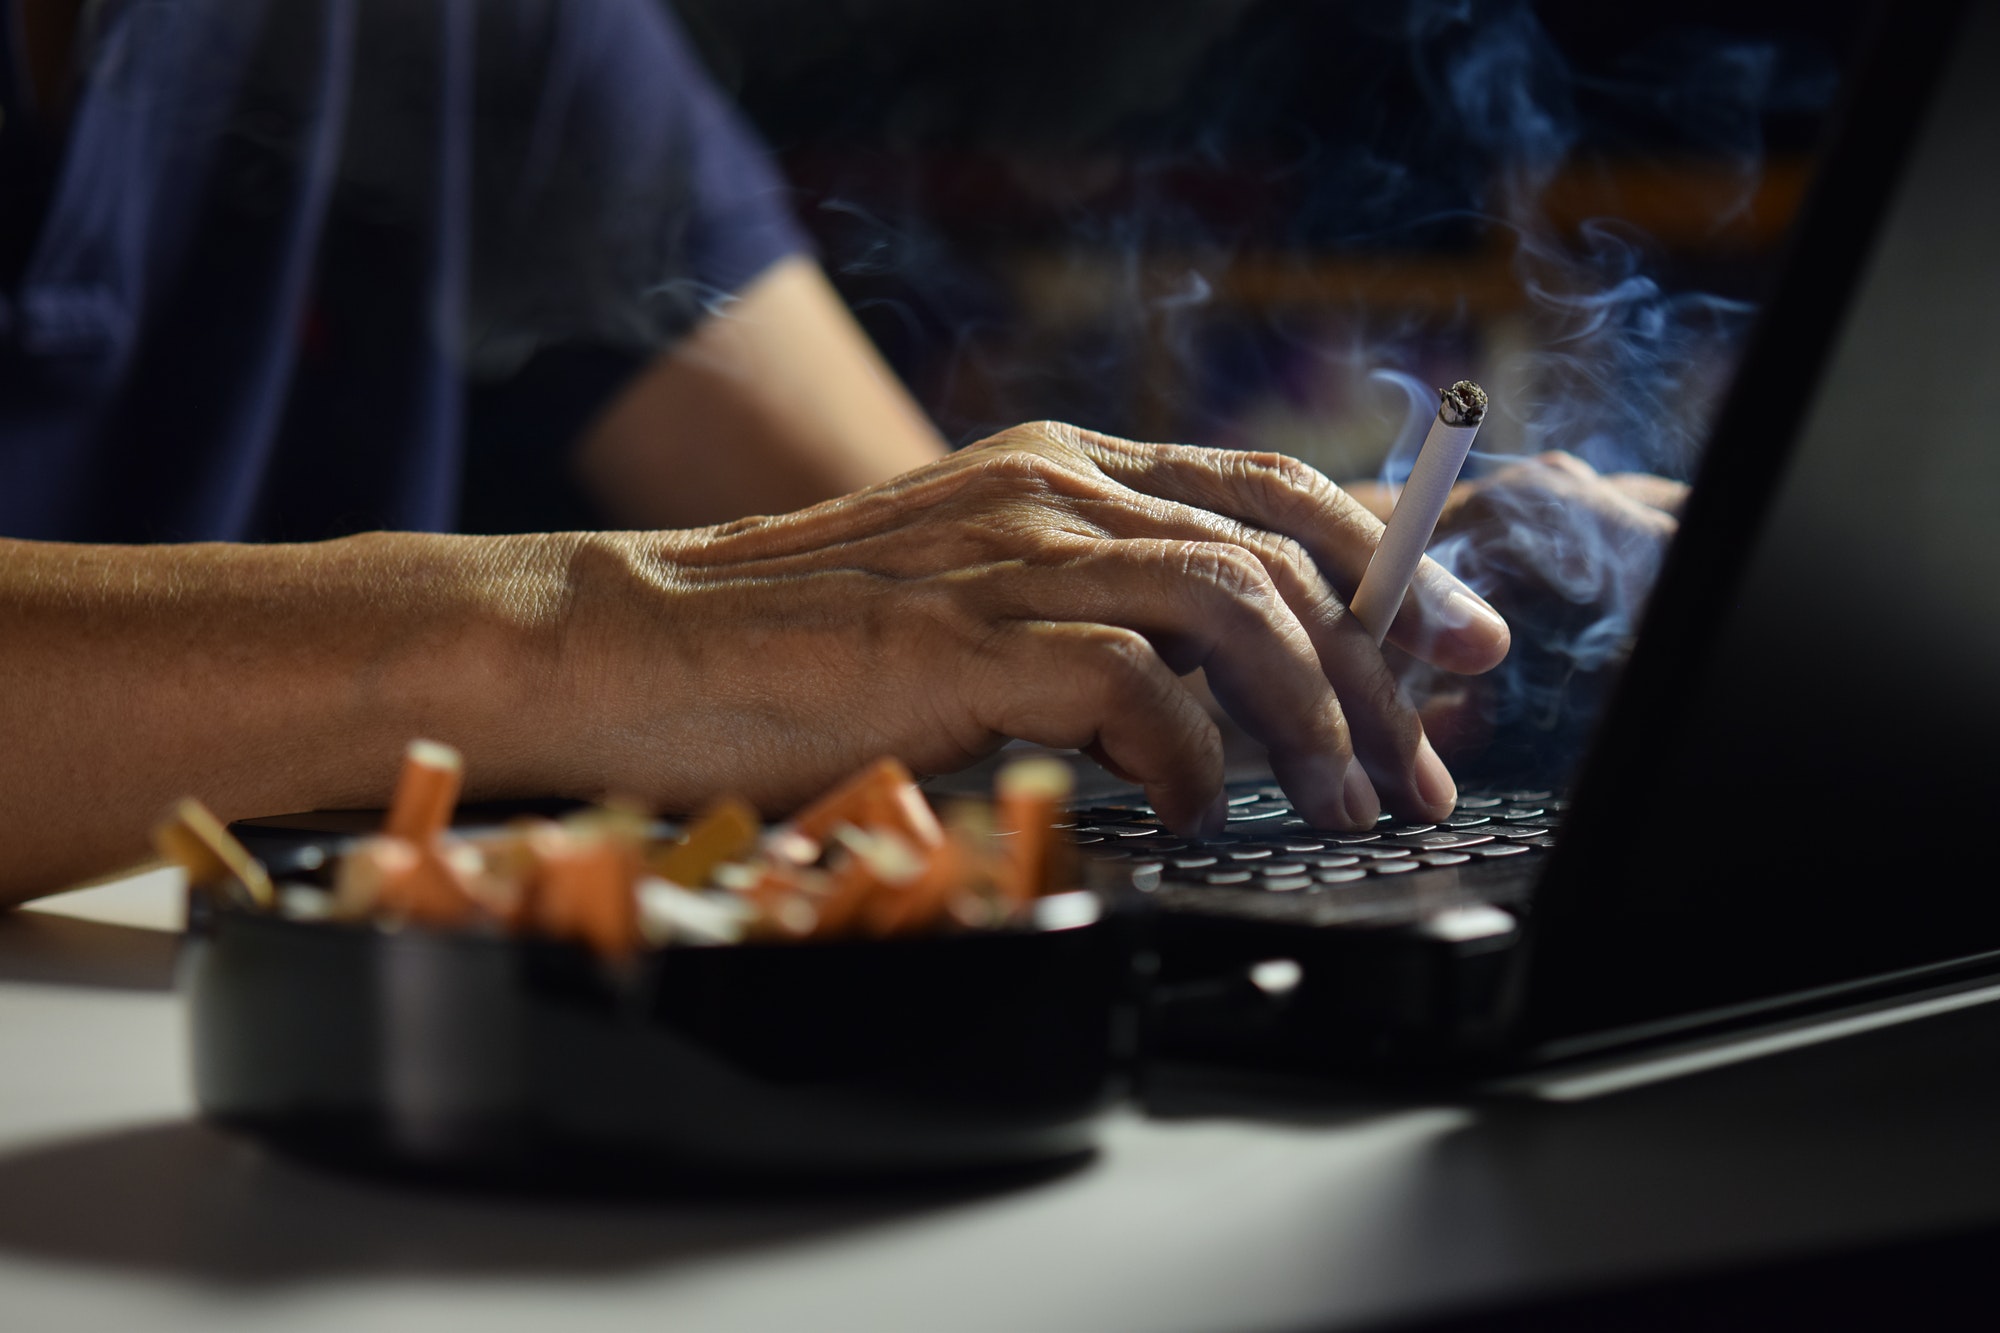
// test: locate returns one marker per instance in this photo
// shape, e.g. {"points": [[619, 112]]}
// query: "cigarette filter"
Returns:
{"points": [[726, 831], [194, 839], [410, 881], [1418, 509], [882, 795], [1029, 797], [583, 890], [426, 792]]}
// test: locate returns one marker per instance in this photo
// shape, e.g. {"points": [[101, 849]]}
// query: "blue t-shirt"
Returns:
{"points": [[244, 298]]}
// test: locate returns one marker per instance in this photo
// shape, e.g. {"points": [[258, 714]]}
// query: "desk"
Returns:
{"points": [[119, 1210]]}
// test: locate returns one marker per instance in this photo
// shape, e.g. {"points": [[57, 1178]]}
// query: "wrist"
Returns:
{"points": [[474, 653]]}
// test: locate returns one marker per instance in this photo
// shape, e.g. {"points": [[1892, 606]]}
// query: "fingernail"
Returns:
{"points": [[1432, 779], [1467, 607], [1358, 798]]}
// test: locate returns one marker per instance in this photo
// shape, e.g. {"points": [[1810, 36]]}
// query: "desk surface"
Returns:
{"points": [[119, 1209]]}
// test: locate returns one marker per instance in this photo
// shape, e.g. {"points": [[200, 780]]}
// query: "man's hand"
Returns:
{"points": [[1049, 584]]}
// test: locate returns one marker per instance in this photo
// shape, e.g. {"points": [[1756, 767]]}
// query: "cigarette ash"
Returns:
{"points": [[1462, 405]]}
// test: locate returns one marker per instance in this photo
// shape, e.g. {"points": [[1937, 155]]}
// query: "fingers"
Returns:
{"points": [[1654, 492], [1100, 688], [1215, 605], [1443, 621]]}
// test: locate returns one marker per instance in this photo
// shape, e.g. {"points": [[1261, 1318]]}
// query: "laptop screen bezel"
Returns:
{"points": [[1754, 436]]}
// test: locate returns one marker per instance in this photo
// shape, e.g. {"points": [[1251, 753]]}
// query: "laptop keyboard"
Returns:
{"points": [[1267, 847]]}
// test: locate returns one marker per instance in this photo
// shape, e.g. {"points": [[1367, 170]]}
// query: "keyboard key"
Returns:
{"points": [[1519, 812], [1352, 839], [1393, 867], [1456, 821], [1477, 803], [1444, 858], [1251, 853], [1439, 841], [1223, 877], [1294, 846], [1192, 862], [1493, 849], [1379, 852], [1347, 876], [1399, 828], [1332, 862], [1281, 869], [1519, 795], [1132, 830], [1257, 814], [1546, 840], [1288, 883], [1247, 798], [1515, 831]]}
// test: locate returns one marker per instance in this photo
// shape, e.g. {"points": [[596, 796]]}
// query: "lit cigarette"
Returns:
{"points": [[1418, 509]]}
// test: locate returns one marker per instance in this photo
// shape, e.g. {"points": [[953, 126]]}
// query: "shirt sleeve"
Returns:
{"points": [[619, 198]]}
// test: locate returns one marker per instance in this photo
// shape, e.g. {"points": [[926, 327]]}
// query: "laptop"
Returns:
{"points": [[1784, 808]]}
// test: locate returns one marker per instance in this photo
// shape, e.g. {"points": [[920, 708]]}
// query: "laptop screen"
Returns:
{"points": [[1796, 786]]}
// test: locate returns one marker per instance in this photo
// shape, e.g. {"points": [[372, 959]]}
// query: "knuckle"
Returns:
{"points": [[1287, 554], [1285, 475], [1119, 668], [1017, 474], [1231, 570]]}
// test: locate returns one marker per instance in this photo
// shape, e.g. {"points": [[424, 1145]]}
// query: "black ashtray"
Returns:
{"points": [[494, 1058]]}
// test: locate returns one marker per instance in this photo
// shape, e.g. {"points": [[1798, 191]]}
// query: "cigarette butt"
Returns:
{"points": [[426, 791], [403, 880], [194, 839], [872, 864], [726, 831], [781, 900], [670, 914], [1030, 795], [926, 900], [364, 869], [883, 795], [583, 891]]}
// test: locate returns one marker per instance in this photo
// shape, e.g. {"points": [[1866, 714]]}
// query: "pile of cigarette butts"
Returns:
{"points": [[870, 859]]}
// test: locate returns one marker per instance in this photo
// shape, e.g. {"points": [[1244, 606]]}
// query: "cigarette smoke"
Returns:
{"points": [[1622, 371], [1092, 260]]}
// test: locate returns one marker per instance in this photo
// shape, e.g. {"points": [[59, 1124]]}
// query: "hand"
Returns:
{"points": [[1050, 584]]}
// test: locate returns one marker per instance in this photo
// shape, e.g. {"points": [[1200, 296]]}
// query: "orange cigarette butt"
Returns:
{"points": [[410, 881], [584, 891], [194, 839], [726, 831], [426, 792], [925, 900], [1030, 796], [883, 795], [875, 864]]}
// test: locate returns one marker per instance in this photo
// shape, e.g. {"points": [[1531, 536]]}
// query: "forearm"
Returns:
{"points": [[776, 403], [261, 678]]}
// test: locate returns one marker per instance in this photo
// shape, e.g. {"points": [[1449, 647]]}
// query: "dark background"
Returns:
{"points": [[1201, 219], [1208, 220]]}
